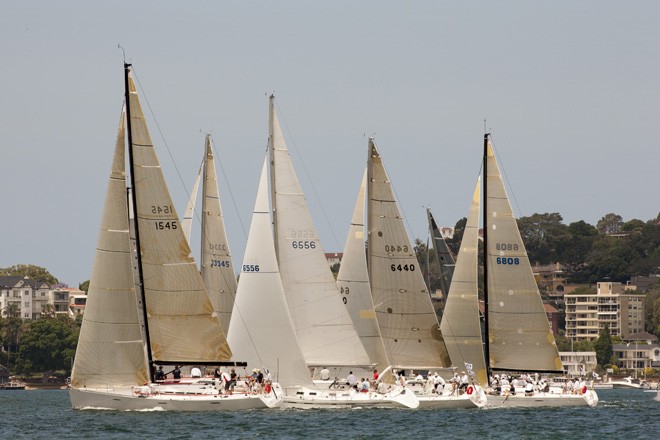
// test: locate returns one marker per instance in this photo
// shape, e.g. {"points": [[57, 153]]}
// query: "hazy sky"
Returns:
{"points": [[570, 91]]}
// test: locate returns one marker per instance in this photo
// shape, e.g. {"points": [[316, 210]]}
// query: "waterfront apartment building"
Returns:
{"points": [[28, 299], [613, 304]]}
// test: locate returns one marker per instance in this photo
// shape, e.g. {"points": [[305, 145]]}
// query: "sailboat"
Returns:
{"points": [[400, 310], [217, 267], [157, 313], [518, 337], [288, 316], [442, 254]]}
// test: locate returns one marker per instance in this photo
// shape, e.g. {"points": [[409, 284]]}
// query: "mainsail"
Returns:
{"points": [[519, 337], [405, 314], [217, 267], [183, 327], [324, 328], [261, 330], [442, 253], [461, 326], [353, 283], [111, 349]]}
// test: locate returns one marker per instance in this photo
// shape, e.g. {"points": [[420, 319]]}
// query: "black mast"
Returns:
{"points": [[485, 232], [135, 219]]}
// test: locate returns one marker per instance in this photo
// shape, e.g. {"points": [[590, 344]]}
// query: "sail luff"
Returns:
{"points": [[353, 283], [324, 328], [405, 314], [217, 266], [183, 327], [460, 325], [110, 347], [519, 335]]}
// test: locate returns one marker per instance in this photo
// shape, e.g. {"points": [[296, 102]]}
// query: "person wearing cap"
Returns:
{"points": [[464, 381]]}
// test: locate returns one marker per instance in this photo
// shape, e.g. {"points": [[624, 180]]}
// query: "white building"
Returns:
{"points": [[578, 363], [614, 305], [28, 298]]}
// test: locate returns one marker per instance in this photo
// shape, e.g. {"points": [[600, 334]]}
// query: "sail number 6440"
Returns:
{"points": [[404, 267]]}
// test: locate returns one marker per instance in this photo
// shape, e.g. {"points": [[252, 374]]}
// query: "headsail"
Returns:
{"points": [[519, 335], [261, 330], [217, 266], [183, 327], [186, 223], [461, 325], [353, 283], [324, 328], [110, 347], [406, 317]]}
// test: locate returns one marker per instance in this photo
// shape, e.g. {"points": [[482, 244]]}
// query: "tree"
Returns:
{"points": [[49, 344], [652, 309], [603, 346], [85, 285], [545, 237], [574, 256], [610, 224], [29, 270]]}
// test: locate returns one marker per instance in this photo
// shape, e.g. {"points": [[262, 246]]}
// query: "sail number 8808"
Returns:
{"points": [[506, 246]]}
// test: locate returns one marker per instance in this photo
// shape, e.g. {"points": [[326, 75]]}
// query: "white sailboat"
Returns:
{"points": [[288, 315], [519, 338], [404, 313], [168, 319]]}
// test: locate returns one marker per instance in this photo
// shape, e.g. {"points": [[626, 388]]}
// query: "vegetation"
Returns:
{"points": [[35, 272], [603, 347]]}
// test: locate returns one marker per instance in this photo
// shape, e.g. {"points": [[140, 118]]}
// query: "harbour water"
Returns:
{"points": [[630, 414]]}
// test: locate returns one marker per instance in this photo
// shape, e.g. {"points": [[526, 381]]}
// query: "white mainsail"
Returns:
{"points": [[520, 337], [460, 325], [111, 349], [261, 330], [405, 314], [324, 328], [217, 266], [186, 223], [183, 327], [353, 283]]}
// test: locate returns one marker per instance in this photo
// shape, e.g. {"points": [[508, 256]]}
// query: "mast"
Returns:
{"points": [[485, 230], [137, 229], [271, 160]]}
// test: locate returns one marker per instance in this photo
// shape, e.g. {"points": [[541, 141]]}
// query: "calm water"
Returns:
{"points": [[630, 414]]}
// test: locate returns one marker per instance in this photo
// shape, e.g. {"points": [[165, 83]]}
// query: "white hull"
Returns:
{"points": [[306, 398], [125, 399], [429, 399], [590, 398]]}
